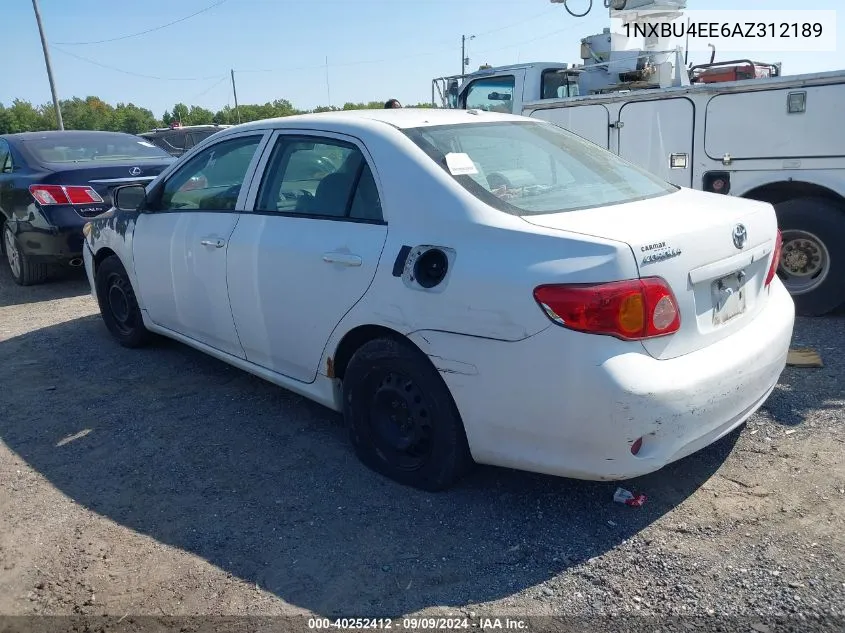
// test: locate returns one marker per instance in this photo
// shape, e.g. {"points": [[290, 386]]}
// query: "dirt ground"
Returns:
{"points": [[163, 482]]}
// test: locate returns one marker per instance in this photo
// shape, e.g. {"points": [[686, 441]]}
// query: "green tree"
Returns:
{"points": [[22, 116], [199, 116], [92, 113]]}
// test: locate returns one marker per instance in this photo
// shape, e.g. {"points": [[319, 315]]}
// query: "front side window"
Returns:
{"points": [[533, 168], [492, 94], [213, 178], [324, 178]]}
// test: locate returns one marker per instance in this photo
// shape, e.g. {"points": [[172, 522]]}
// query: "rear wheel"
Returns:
{"points": [[24, 271], [812, 266], [401, 418], [118, 306]]}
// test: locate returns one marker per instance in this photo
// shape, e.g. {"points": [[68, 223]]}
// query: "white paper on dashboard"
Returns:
{"points": [[460, 164]]}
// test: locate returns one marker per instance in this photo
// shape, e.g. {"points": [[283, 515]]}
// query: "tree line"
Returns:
{"points": [[92, 113]]}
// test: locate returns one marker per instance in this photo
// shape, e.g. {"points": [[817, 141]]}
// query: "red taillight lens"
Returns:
{"points": [[59, 194], [48, 194], [630, 310], [773, 267]]}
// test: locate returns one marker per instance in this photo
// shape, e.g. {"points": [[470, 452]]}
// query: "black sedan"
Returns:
{"points": [[52, 182]]}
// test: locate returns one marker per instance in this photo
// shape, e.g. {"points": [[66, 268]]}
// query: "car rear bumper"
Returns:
{"points": [[571, 404], [56, 239]]}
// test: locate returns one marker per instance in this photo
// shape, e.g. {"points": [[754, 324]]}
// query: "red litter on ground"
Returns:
{"points": [[629, 498]]}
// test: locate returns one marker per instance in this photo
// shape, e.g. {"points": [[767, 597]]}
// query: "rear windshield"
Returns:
{"points": [[93, 147], [532, 168]]}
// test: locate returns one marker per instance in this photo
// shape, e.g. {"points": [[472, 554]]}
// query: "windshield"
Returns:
{"points": [[532, 168], [73, 148]]}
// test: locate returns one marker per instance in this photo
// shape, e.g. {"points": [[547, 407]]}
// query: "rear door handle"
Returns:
{"points": [[217, 242], [345, 259]]}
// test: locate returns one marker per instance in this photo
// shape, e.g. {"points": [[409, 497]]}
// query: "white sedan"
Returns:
{"points": [[465, 287]]}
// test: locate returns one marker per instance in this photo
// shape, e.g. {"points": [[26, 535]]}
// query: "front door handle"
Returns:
{"points": [[217, 242], [345, 259]]}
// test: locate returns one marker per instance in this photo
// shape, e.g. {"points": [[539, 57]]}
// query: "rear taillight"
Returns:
{"points": [[59, 194], [773, 267], [630, 310]]}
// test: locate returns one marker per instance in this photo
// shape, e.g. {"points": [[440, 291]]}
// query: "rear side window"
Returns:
{"points": [[5, 158], [326, 178]]}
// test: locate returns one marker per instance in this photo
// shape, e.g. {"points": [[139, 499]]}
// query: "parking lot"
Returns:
{"points": [[163, 482]]}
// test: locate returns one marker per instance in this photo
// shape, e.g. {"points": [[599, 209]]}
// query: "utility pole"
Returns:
{"points": [[328, 85], [59, 121], [464, 58], [235, 93]]}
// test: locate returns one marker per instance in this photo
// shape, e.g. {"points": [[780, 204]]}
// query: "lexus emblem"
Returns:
{"points": [[135, 171], [740, 236]]}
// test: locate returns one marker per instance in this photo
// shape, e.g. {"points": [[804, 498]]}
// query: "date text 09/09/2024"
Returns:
{"points": [[418, 624]]}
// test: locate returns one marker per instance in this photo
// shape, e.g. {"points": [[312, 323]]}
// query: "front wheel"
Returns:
{"points": [[812, 264], [118, 306], [401, 418]]}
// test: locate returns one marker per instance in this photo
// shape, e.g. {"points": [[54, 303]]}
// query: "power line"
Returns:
{"points": [[209, 89], [157, 28], [129, 72], [513, 24], [532, 40], [403, 57]]}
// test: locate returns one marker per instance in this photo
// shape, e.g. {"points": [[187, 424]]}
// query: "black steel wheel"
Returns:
{"points": [[402, 420], [118, 305]]}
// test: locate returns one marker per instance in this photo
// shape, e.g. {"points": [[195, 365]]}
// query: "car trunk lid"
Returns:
{"points": [[104, 177], [713, 251]]}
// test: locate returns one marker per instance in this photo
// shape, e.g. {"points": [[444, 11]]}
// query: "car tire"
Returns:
{"points": [[402, 421], [118, 305], [24, 271], [812, 265]]}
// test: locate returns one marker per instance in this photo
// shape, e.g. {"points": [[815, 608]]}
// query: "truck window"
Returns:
{"points": [[557, 84], [493, 94]]}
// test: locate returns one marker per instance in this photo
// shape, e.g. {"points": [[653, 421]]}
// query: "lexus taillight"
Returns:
{"points": [[64, 194], [630, 310], [773, 267]]}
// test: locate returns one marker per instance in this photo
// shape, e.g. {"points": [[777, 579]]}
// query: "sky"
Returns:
{"points": [[311, 52]]}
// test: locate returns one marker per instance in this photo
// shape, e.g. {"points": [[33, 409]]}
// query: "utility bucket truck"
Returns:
{"points": [[736, 127]]}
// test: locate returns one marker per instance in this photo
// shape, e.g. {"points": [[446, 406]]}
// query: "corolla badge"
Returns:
{"points": [[135, 171], [658, 252], [740, 236]]}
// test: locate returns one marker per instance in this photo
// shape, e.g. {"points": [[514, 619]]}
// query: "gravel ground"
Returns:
{"points": [[163, 482]]}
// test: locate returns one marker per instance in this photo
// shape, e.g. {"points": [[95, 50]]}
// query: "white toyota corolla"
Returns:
{"points": [[464, 286]]}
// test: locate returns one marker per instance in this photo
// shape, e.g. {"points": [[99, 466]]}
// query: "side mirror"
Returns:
{"points": [[129, 197]]}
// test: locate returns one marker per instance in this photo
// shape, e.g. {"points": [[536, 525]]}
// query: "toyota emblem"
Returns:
{"points": [[135, 171], [740, 236]]}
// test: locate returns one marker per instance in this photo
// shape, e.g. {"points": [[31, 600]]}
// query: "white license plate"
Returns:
{"points": [[728, 298]]}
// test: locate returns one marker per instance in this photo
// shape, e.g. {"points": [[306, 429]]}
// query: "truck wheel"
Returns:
{"points": [[812, 266]]}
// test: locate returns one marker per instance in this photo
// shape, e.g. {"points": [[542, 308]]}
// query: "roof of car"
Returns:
{"points": [[31, 136], [402, 118]]}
